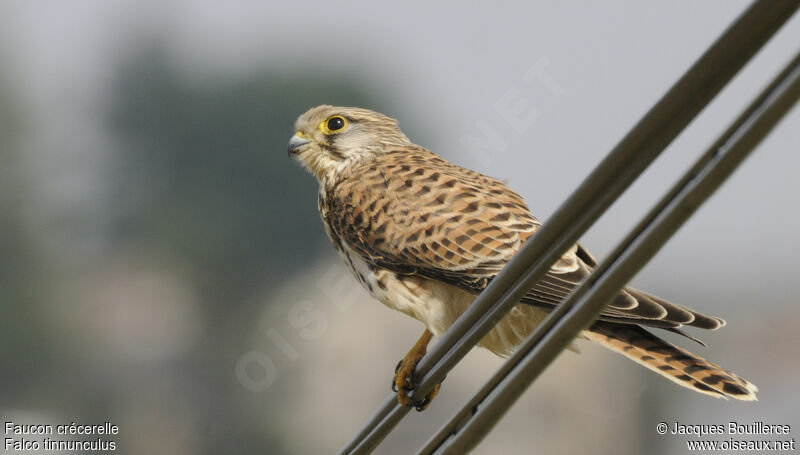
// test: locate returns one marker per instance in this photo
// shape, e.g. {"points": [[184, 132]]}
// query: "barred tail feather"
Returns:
{"points": [[672, 362]]}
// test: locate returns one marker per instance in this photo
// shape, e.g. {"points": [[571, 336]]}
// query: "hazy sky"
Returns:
{"points": [[583, 71], [580, 73]]}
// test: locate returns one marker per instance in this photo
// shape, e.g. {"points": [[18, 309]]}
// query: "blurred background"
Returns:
{"points": [[163, 267]]}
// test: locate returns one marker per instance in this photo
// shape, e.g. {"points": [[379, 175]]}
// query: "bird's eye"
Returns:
{"points": [[335, 123]]}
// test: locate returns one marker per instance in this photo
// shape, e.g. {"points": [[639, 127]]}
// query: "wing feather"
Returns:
{"points": [[411, 212]]}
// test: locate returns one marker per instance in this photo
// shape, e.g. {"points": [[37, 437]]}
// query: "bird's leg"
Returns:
{"points": [[404, 375]]}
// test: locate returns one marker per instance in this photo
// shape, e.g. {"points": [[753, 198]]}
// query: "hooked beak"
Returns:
{"points": [[297, 142]]}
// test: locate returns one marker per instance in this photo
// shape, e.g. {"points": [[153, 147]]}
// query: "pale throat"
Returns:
{"points": [[322, 166], [327, 169]]}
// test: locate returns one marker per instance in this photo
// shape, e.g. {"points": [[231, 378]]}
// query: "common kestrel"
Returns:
{"points": [[425, 236]]}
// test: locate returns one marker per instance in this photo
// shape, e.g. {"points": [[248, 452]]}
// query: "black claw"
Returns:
{"points": [[409, 385], [394, 379], [409, 388], [422, 404]]}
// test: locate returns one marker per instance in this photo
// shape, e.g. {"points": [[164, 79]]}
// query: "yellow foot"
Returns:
{"points": [[405, 378]]}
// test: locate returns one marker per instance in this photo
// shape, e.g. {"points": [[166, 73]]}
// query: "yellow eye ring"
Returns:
{"points": [[333, 124]]}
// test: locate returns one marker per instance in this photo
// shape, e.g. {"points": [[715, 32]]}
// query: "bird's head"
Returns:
{"points": [[329, 139]]}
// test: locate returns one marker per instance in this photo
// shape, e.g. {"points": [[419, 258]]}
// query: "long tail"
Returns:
{"points": [[672, 362]]}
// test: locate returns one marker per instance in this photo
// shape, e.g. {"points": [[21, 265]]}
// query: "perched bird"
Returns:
{"points": [[425, 236]]}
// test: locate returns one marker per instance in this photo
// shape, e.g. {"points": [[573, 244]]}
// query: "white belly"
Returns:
{"points": [[438, 305]]}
